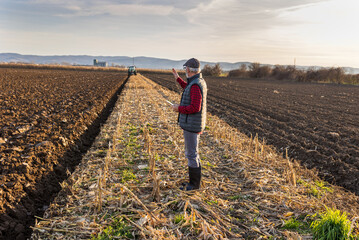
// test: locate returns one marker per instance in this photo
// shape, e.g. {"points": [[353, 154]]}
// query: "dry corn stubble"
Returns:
{"points": [[247, 191]]}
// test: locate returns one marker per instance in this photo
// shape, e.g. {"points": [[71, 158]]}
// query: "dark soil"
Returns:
{"points": [[317, 123], [49, 118]]}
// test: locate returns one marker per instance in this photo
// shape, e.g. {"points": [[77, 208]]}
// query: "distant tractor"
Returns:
{"points": [[132, 70]]}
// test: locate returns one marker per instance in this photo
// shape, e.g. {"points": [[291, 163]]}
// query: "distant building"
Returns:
{"points": [[96, 63]]}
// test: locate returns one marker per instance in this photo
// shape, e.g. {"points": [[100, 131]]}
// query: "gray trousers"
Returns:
{"points": [[191, 141]]}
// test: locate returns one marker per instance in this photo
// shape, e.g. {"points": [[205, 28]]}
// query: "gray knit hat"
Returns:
{"points": [[192, 63]]}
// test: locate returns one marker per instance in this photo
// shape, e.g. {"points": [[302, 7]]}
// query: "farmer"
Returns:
{"points": [[192, 117]]}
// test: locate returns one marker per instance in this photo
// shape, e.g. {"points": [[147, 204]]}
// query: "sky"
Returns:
{"points": [[313, 32]]}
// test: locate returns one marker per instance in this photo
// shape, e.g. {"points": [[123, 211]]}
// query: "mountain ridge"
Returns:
{"points": [[140, 61]]}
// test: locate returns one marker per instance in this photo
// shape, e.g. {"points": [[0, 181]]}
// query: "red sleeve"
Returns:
{"points": [[181, 82], [196, 100]]}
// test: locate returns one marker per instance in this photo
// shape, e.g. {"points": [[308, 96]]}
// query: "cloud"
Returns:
{"points": [[118, 10], [84, 8], [232, 17], [269, 31]]}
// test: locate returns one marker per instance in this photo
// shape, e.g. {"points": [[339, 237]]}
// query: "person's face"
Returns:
{"points": [[187, 72]]}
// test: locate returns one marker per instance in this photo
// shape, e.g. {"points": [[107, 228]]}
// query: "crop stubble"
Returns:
{"points": [[317, 123], [47, 118], [247, 191]]}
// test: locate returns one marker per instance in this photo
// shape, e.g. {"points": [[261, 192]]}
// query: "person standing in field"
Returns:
{"points": [[192, 117]]}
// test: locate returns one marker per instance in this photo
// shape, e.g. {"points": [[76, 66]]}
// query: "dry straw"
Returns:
{"points": [[248, 189]]}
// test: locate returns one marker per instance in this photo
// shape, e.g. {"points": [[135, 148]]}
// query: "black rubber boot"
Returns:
{"points": [[194, 179]]}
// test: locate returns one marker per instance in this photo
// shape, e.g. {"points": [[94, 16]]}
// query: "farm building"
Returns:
{"points": [[99, 64]]}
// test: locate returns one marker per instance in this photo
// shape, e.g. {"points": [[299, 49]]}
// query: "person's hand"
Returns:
{"points": [[175, 74], [175, 107]]}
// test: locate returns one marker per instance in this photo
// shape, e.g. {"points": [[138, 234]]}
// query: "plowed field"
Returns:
{"points": [[48, 117], [317, 123]]}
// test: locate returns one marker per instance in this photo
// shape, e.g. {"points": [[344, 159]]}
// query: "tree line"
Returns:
{"points": [[280, 72]]}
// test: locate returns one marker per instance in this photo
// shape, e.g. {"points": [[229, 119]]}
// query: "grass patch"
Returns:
{"points": [[317, 189], [212, 202], [127, 175], [133, 130], [332, 225], [241, 197], [158, 157], [118, 230], [323, 186], [300, 224], [210, 165], [178, 218], [235, 197]]}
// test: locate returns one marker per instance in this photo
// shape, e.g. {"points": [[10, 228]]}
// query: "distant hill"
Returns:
{"points": [[140, 62]]}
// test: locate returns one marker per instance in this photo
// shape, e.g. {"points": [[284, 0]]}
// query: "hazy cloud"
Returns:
{"points": [[78, 8], [257, 30], [232, 16], [117, 10]]}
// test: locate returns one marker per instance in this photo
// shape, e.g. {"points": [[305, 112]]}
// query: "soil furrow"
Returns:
{"points": [[61, 115]]}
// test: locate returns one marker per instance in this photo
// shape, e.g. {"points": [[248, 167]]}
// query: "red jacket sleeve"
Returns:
{"points": [[196, 100], [181, 82]]}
